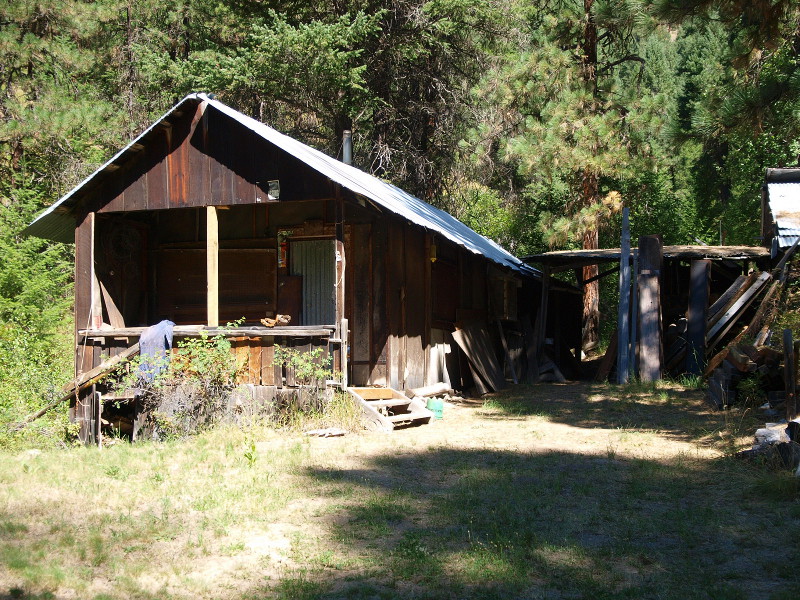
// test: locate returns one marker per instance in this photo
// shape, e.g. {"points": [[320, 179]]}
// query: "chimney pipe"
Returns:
{"points": [[347, 147]]}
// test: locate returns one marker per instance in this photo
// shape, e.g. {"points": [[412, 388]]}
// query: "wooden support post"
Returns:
{"points": [[789, 374], [540, 328], [650, 264], [791, 406], [212, 266], [623, 310], [633, 347], [340, 361], [345, 333], [697, 316]]}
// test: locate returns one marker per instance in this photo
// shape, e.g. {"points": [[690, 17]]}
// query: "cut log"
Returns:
{"points": [[715, 362], [435, 389], [740, 360]]}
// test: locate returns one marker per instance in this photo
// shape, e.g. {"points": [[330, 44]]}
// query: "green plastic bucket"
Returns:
{"points": [[436, 406]]}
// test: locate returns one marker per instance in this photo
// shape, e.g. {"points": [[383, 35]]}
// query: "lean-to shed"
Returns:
{"points": [[210, 216]]}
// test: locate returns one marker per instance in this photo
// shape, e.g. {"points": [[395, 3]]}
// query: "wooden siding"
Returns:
{"points": [[205, 159], [402, 307]]}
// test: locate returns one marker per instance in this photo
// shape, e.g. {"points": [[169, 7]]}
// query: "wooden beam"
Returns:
{"points": [[212, 266], [599, 276], [779, 268], [730, 297], [200, 330], [697, 316], [726, 297], [727, 320], [81, 383]]}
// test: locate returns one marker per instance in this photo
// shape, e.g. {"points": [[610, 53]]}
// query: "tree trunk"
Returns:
{"points": [[590, 185], [591, 291]]}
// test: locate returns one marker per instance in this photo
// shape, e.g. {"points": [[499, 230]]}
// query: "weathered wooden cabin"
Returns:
{"points": [[210, 217]]}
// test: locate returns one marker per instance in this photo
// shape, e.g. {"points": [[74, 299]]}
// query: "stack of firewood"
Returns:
{"points": [[737, 362]]}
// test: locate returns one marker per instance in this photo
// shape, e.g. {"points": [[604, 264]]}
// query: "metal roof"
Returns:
{"points": [[56, 223], [573, 258], [784, 204]]}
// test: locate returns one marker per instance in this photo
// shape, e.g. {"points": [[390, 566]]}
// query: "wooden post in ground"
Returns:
{"points": [[697, 316], [789, 374], [540, 329], [633, 349], [623, 311], [212, 267], [650, 264]]}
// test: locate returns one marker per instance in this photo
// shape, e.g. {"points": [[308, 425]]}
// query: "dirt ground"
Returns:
{"points": [[574, 417], [572, 490]]}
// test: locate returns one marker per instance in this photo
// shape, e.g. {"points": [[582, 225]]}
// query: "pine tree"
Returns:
{"points": [[573, 117]]}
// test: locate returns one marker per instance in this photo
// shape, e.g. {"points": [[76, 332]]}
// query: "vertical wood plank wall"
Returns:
{"points": [[394, 339]]}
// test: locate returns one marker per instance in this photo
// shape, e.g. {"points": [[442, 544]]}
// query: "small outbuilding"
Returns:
{"points": [[780, 208], [210, 217]]}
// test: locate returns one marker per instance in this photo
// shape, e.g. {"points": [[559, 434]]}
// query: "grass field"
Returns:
{"points": [[551, 491]]}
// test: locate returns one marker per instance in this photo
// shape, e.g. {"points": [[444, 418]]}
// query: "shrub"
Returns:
{"points": [[186, 391]]}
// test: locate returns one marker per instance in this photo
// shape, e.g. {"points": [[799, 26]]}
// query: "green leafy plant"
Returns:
{"points": [[187, 390]]}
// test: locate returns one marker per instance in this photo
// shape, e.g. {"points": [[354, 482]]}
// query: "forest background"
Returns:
{"points": [[531, 121]]}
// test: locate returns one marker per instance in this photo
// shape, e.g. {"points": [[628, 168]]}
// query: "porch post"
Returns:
{"points": [[212, 266], [341, 261]]}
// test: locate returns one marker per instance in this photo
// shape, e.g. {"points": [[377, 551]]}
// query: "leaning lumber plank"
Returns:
{"points": [[723, 325], [506, 352], [81, 383], [715, 362], [726, 297], [101, 370], [778, 271], [761, 313], [474, 341], [609, 358]]}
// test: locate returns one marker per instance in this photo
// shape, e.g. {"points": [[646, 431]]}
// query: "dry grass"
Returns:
{"points": [[557, 491]]}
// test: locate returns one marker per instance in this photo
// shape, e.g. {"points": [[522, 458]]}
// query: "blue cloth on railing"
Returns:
{"points": [[154, 344]]}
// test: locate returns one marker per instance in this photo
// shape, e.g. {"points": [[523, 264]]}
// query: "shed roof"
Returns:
{"points": [[783, 195], [58, 223], [578, 258]]}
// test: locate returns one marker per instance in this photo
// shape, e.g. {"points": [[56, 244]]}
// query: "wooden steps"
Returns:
{"points": [[387, 409]]}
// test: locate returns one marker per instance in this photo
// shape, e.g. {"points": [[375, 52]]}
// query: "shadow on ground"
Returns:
{"points": [[493, 524], [680, 413]]}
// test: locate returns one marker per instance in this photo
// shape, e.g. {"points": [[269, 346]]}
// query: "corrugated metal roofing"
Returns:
{"points": [[51, 223], [784, 203]]}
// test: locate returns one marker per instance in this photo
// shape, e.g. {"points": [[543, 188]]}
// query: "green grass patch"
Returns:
{"points": [[570, 491]]}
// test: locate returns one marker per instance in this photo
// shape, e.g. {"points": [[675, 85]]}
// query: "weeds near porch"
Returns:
{"points": [[185, 391]]}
